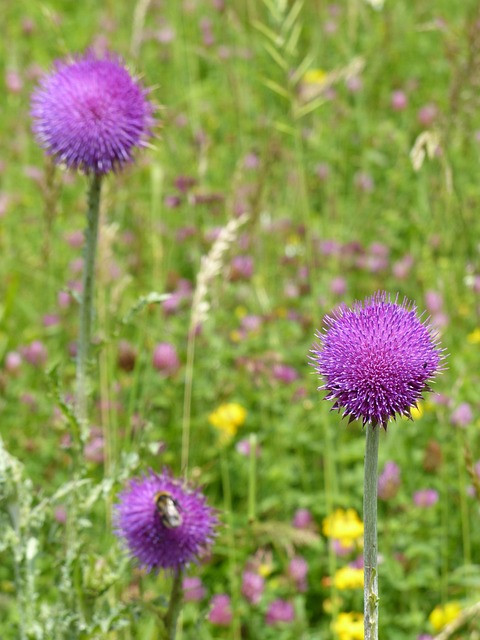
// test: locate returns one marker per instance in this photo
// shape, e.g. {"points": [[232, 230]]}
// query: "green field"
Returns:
{"points": [[304, 155]]}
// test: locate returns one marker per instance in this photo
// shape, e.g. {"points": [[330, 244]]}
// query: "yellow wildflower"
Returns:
{"points": [[348, 578], [417, 412], [474, 337], [240, 312], [343, 525], [227, 418], [444, 614], [265, 569], [315, 76], [349, 626]]}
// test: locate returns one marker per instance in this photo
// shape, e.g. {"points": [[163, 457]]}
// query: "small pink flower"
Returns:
{"points": [[251, 161], [243, 447], [297, 570], [64, 299], [253, 586], [165, 359], [284, 373], [241, 268], [35, 353], [399, 101], [13, 362], [462, 416], [221, 611], [193, 589], [60, 514], [427, 115], [75, 239], [401, 268], [94, 449], [251, 323], [302, 519], [433, 301], [338, 286], [13, 81], [279, 611], [425, 497], [50, 320]]}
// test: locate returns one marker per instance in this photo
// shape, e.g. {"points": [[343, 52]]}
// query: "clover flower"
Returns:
{"points": [[221, 610], [253, 586], [155, 543], [90, 113], [279, 611], [377, 358]]}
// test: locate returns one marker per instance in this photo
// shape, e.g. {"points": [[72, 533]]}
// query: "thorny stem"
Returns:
{"points": [[174, 606], [370, 553], [86, 305]]}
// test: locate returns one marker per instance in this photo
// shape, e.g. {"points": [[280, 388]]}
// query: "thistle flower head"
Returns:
{"points": [[376, 358], [164, 523], [90, 113]]}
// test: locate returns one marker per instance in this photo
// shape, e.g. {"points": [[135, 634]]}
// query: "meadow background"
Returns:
{"points": [[348, 136]]}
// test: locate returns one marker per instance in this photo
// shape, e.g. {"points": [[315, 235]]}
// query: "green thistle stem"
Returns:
{"points": [[174, 606], [370, 552], [86, 304]]}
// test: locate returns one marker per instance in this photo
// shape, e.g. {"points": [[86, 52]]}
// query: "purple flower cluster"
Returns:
{"points": [[90, 114], [377, 358], [141, 527]]}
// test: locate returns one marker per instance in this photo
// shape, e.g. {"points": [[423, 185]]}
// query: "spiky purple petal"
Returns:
{"points": [[139, 525], [377, 358], [90, 113]]}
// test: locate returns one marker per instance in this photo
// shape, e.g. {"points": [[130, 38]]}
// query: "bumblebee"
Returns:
{"points": [[168, 509]]}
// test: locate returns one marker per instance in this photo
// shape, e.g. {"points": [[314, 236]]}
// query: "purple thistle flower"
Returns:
{"points": [[90, 113], [147, 535], [376, 358]]}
